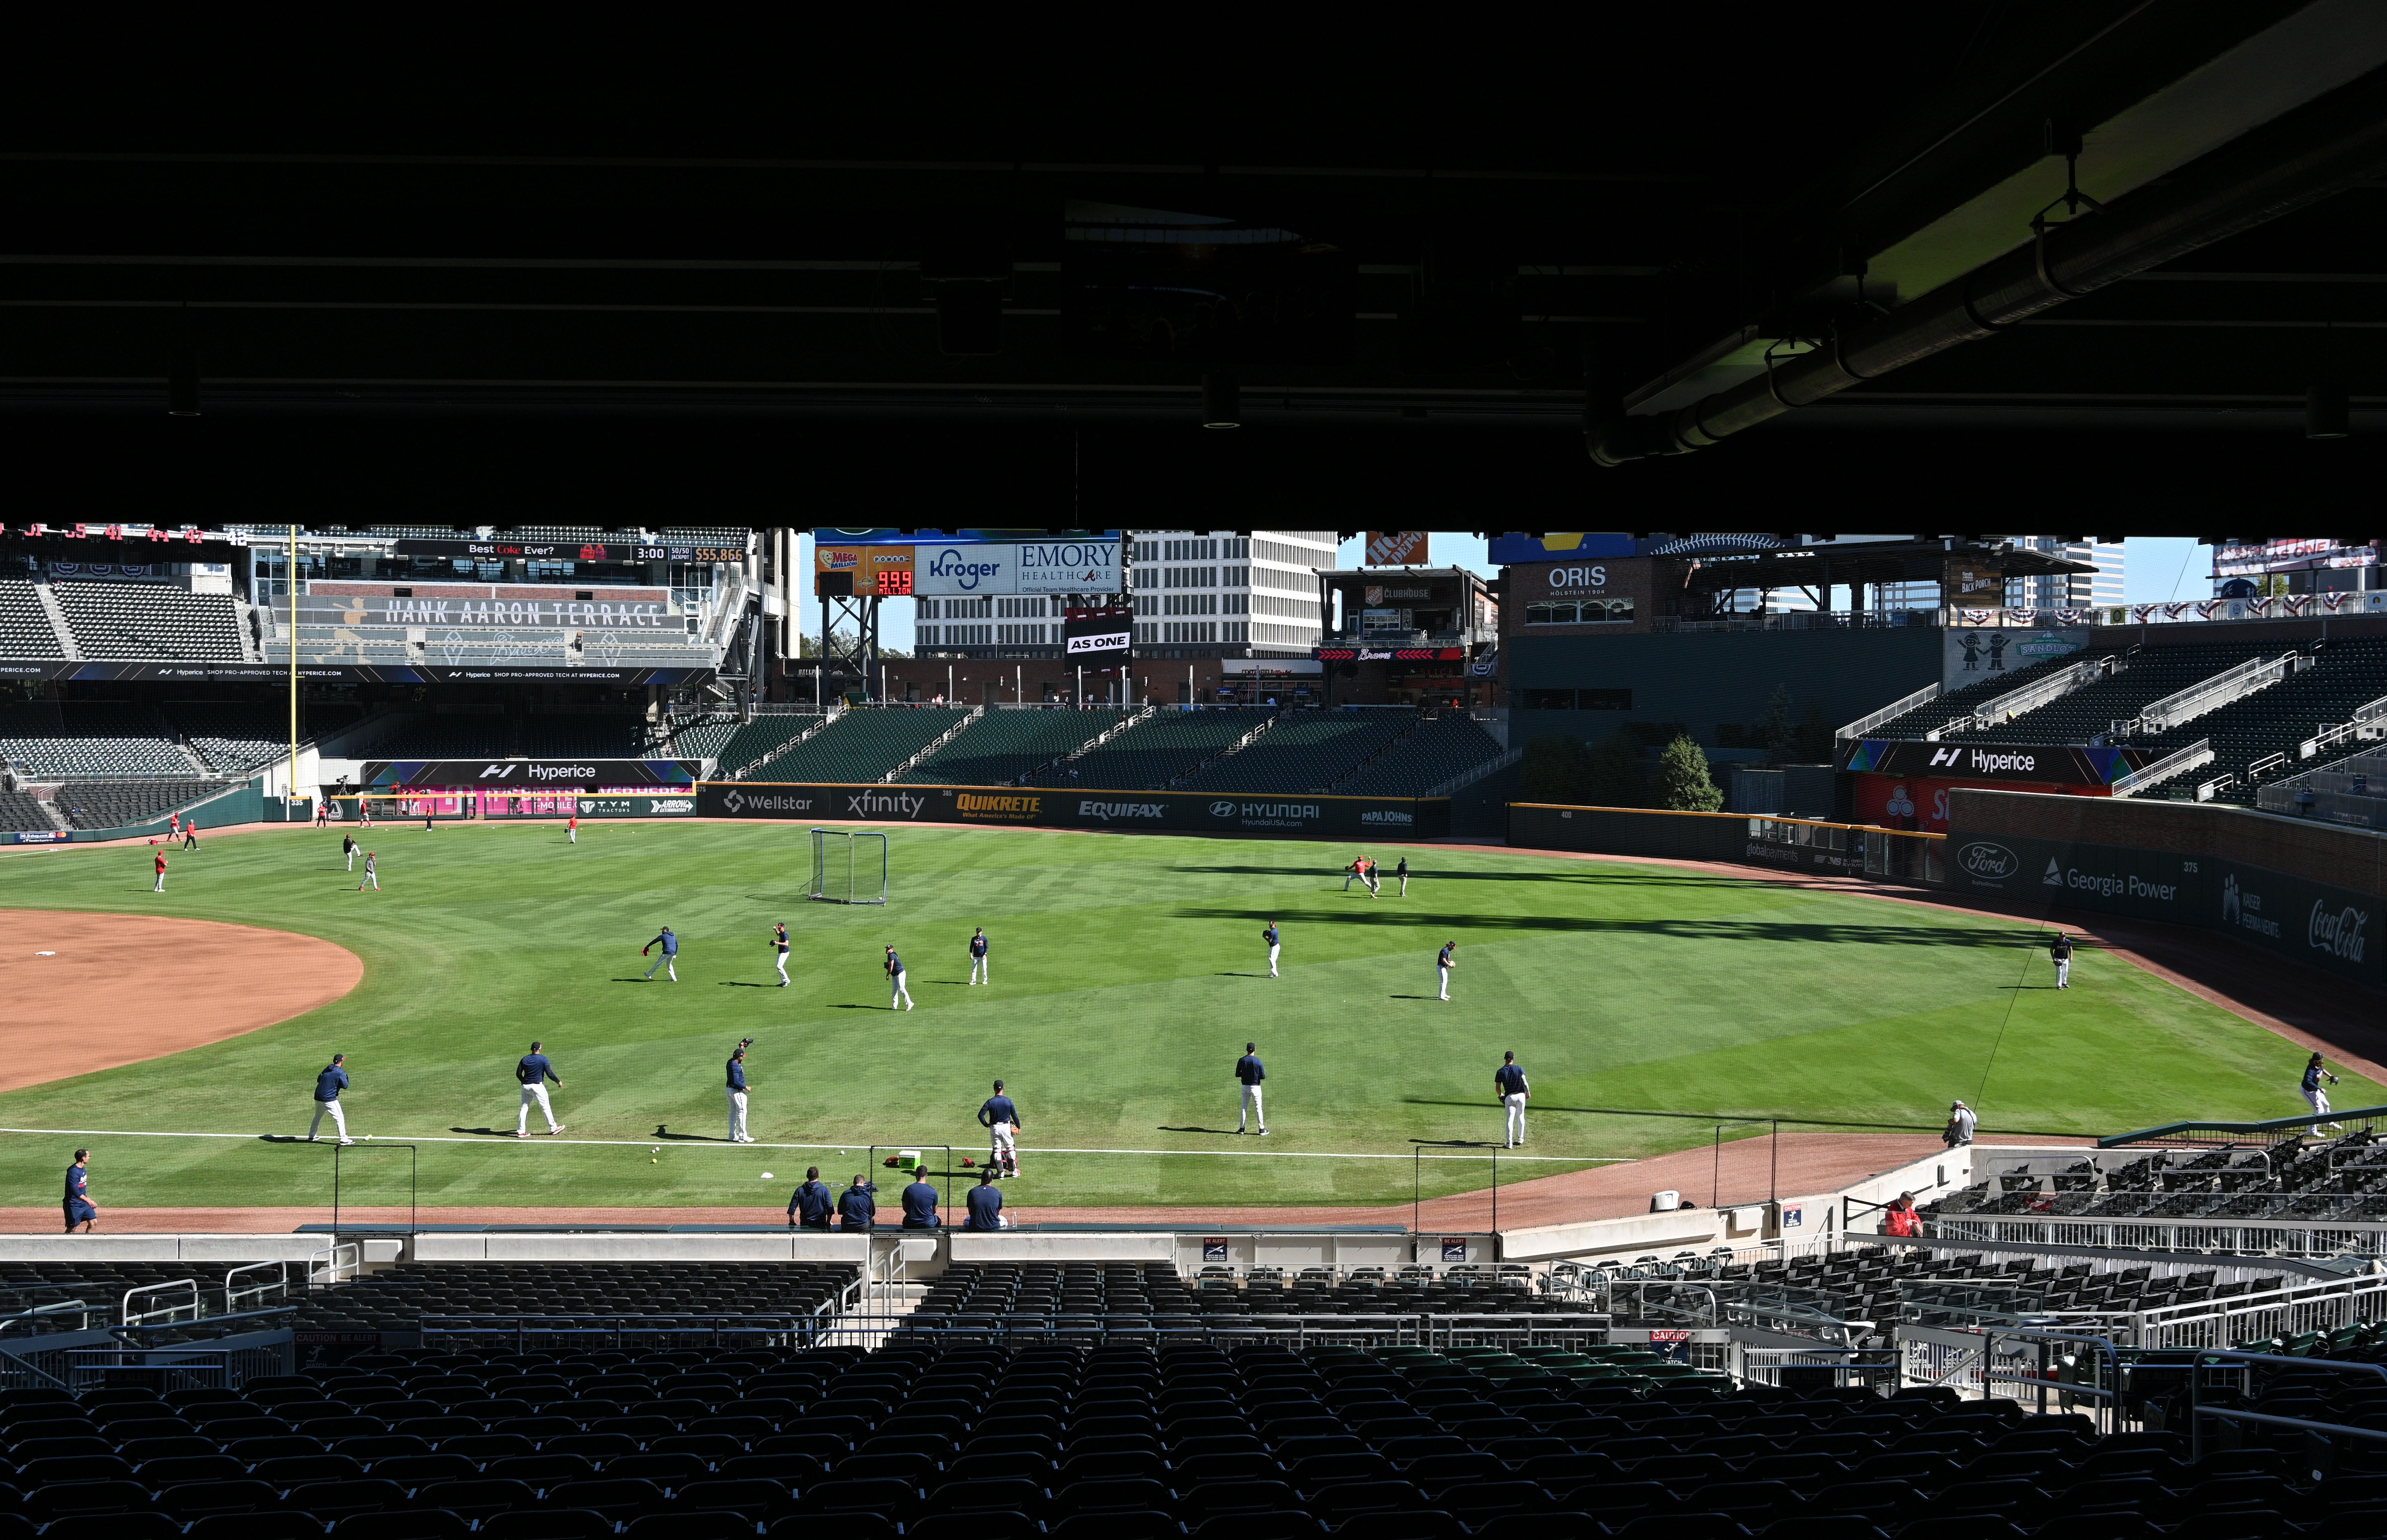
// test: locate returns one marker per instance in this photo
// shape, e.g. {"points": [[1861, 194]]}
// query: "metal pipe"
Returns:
{"points": [[2322, 148]]}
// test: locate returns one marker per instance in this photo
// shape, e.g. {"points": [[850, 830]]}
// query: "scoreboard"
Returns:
{"points": [[845, 572]]}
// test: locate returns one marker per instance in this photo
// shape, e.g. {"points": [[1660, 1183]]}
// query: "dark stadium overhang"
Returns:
{"points": [[1869, 563], [673, 299]]}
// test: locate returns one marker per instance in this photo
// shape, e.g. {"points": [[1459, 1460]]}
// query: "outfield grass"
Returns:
{"points": [[1129, 974]]}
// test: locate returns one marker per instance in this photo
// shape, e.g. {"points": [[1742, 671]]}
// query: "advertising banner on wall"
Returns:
{"points": [[1512, 549], [529, 773], [1399, 547], [2056, 765], [1921, 801], [1975, 655], [1057, 807], [2332, 928]]}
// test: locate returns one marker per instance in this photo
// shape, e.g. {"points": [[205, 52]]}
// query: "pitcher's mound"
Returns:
{"points": [[92, 991]]}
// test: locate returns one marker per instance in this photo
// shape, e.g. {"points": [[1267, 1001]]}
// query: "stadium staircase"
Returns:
{"points": [[863, 745], [1308, 751], [755, 745], [2091, 713], [30, 623], [1003, 747], [969, 718], [1151, 750], [1237, 747], [2260, 735]]}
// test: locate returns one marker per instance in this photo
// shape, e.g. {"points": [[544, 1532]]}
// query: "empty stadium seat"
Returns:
{"points": [[861, 746], [25, 628], [1149, 755], [1435, 749], [148, 620], [1306, 750], [1006, 744]]}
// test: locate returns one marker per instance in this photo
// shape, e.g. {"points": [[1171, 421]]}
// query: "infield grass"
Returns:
{"points": [[1129, 974]]}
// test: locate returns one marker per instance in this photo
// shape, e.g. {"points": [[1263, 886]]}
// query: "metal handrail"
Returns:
{"points": [[2208, 695], [2197, 1412], [2075, 675], [125, 1313], [232, 1296], [330, 1272], [2329, 737], [1871, 720], [2200, 1125], [55, 1307], [2178, 762]]}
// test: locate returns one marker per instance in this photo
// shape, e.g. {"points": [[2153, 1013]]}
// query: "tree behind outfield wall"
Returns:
{"points": [[1684, 785]]}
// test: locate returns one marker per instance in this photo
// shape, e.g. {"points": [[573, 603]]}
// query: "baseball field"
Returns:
{"points": [[1645, 1001]]}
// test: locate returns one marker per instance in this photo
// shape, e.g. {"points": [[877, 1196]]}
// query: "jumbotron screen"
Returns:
{"points": [[1105, 636]]}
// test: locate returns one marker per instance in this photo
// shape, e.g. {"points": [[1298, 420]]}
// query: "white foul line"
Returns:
{"points": [[723, 1144]]}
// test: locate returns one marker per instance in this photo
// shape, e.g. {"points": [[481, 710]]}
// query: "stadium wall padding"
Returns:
{"points": [[1055, 807], [1687, 837], [2309, 893]]}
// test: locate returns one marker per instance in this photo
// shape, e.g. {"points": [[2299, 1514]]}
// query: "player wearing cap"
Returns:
{"points": [[897, 977], [534, 1072], [1269, 936], [1000, 1116], [572, 825], [2059, 951], [1444, 962], [780, 947], [669, 961], [330, 1081], [981, 973], [737, 1080], [1251, 1072], [2315, 1073], [372, 873], [161, 873], [1508, 1085]]}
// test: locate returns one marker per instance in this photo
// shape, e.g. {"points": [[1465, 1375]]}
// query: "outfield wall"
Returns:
{"points": [[1807, 845], [1056, 807], [2306, 892]]}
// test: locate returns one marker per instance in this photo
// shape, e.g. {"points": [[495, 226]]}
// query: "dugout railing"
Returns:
{"points": [[1573, 1329]]}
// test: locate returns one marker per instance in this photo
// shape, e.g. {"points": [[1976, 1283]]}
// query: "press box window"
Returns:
{"points": [[1588, 612], [1576, 699]]}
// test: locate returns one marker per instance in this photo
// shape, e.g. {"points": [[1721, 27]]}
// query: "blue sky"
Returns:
{"points": [[2155, 571]]}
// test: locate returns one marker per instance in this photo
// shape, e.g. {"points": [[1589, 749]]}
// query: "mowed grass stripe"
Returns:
{"points": [[1126, 982]]}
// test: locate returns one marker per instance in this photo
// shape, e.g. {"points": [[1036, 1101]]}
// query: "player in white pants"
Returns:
{"points": [[1443, 963], [1000, 1115], [330, 1081], [901, 994], [2314, 1075], [737, 1096], [1274, 944], [1509, 1084], [981, 972], [1251, 1072], [534, 1072]]}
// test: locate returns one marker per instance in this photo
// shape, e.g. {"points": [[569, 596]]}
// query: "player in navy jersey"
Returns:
{"points": [[999, 1115], [896, 977], [979, 971], [779, 946]]}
